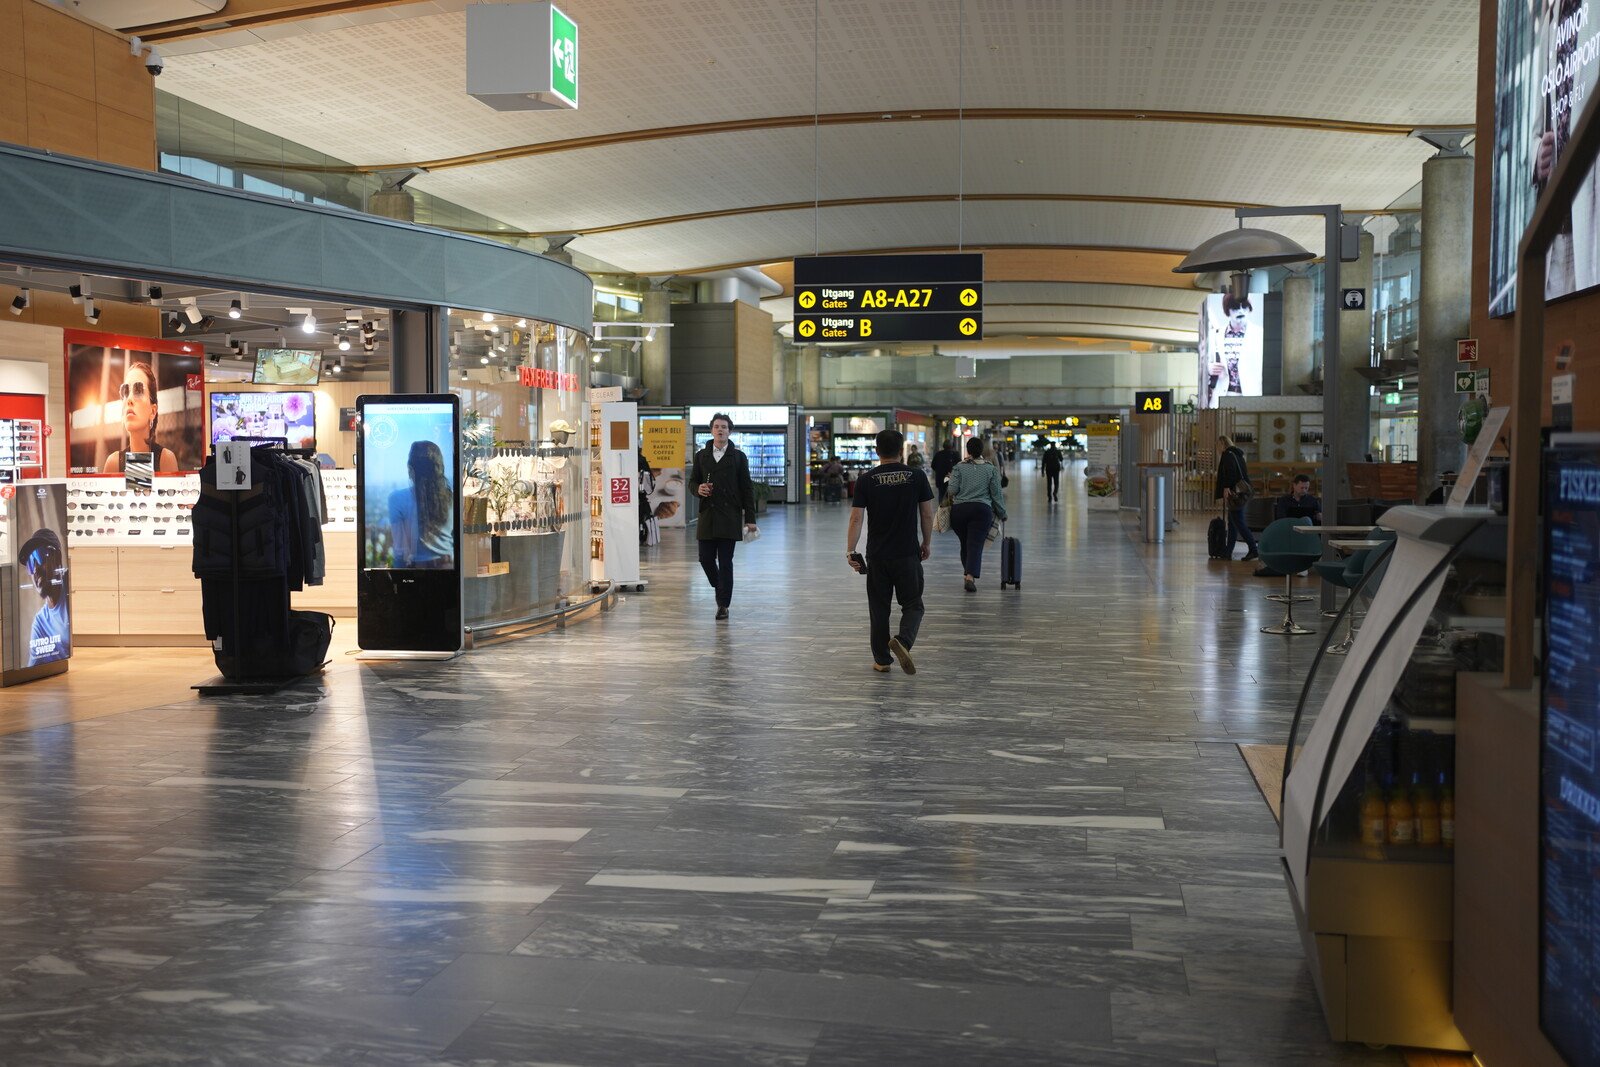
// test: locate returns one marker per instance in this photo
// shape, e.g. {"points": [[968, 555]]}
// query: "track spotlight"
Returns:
{"points": [[20, 301], [488, 316], [77, 291], [179, 324], [308, 324], [484, 360], [522, 324], [463, 373], [205, 324], [91, 312], [192, 309], [344, 343], [235, 308], [369, 328], [153, 293], [214, 359], [493, 328], [595, 358]]}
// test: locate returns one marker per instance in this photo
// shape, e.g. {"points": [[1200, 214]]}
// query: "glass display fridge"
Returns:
{"points": [[771, 435], [1369, 802], [855, 441]]}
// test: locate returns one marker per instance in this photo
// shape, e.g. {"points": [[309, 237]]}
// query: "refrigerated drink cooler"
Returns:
{"points": [[772, 436]]}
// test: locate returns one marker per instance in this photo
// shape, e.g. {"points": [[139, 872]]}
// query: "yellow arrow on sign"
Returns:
{"points": [[808, 300], [968, 327], [969, 297], [807, 328]]}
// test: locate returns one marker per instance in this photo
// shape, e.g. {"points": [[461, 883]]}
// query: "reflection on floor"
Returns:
{"points": [[656, 839]]}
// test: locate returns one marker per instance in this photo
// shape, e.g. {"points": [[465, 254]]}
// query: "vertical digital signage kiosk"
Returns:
{"points": [[408, 501]]}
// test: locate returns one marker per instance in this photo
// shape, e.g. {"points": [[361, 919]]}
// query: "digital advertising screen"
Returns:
{"points": [[287, 366], [1231, 334], [1546, 64], [44, 624], [1569, 913], [133, 394], [292, 416], [407, 471]]}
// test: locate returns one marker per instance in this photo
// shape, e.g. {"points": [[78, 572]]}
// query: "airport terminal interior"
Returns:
{"points": [[799, 532]]}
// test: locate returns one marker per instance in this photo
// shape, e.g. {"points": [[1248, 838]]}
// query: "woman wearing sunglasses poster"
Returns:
{"points": [[139, 419]]}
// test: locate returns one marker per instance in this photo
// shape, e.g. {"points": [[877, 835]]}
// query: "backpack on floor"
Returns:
{"points": [[1217, 539]]}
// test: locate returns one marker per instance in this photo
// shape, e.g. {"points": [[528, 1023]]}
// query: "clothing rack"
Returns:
{"points": [[222, 685]]}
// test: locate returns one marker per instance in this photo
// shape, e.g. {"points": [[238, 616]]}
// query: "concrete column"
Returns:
{"points": [[656, 356], [1299, 316], [1354, 428], [811, 377], [1445, 313]]}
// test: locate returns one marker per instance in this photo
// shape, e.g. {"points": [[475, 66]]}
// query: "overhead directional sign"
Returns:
{"points": [[889, 298], [1153, 402]]}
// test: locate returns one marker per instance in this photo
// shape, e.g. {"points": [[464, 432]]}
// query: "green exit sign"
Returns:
{"points": [[563, 57], [1391, 399], [522, 56]]}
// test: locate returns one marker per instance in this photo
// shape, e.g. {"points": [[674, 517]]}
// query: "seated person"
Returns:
{"points": [[1298, 503]]}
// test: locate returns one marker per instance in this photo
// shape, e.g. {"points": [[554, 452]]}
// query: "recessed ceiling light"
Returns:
{"points": [[488, 316]]}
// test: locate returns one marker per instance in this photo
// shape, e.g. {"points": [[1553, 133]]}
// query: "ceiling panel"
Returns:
{"points": [[1176, 301], [394, 90]]}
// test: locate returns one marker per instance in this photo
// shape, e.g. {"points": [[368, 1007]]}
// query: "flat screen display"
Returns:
{"points": [[1230, 346], [287, 366], [407, 468], [291, 415], [1569, 965], [1546, 64], [44, 628]]}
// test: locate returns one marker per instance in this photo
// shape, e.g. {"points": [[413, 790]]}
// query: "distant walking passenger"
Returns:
{"points": [[721, 479], [1051, 462], [1233, 489], [943, 460], [976, 500], [898, 504]]}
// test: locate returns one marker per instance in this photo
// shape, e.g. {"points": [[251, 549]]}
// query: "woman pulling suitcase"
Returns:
{"points": [[976, 500]]}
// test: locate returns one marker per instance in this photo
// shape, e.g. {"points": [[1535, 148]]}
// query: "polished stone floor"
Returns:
{"points": [[657, 839]]}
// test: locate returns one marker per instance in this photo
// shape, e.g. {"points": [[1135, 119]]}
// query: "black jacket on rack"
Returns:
{"points": [[251, 548]]}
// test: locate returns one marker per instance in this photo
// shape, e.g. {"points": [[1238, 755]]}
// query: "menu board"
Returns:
{"points": [[1569, 965]]}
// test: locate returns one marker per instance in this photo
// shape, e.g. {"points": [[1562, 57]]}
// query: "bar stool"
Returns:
{"points": [[1289, 553]]}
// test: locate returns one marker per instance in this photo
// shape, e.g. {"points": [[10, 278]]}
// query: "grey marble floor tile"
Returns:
{"points": [[859, 1046]]}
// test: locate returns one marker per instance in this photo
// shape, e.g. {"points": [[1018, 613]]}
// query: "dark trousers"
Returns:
{"points": [[971, 522], [1052, 484], [900, 579], [1239, 530], [716, 559]]}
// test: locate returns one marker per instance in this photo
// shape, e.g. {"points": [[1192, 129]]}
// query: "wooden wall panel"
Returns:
{"points": [[70, 86], [752, 349]]}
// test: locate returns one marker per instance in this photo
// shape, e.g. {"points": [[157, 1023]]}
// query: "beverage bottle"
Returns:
{"points": [[1400, 819], [1373, 816], [1429, 829], [1447, 814]]}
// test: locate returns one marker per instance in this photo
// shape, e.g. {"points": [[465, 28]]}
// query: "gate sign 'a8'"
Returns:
{"points": [[1153, 402]]}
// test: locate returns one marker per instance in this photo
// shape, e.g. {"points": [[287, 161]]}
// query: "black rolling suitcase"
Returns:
{"points": [[1217, 539], [1010, 560]]}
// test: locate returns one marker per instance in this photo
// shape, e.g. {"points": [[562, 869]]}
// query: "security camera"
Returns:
{"points": [[154, 63]]}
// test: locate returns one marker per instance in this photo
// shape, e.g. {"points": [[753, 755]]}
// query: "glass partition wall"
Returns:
{"points": [[523, 386]]}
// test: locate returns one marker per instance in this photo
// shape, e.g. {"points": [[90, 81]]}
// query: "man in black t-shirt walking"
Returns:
{"points": [[897, 502]]}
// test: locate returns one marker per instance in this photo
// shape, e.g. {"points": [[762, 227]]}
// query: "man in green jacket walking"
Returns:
{"points": [[721, 479]]}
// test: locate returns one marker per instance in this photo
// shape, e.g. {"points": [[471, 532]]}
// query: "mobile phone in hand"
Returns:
{"points": [[858, 562]]}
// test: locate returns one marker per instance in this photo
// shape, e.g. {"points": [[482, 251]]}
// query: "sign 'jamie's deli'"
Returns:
{"points": [[841, 299]]}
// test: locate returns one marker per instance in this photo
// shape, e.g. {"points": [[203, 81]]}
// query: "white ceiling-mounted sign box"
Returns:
{"points": [[522, 57]]}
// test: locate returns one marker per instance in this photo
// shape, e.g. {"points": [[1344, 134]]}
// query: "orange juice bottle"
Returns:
{"points": [[1426, 807], [1400, 820], [1373, 816]]}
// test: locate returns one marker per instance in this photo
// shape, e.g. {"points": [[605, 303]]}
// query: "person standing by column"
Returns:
{"points": [[1233, 489], [976, 500], [898, 502], [1051, 463], [721, 479]]}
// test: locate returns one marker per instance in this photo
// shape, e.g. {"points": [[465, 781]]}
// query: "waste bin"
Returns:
{"points": [[1155, 507]]}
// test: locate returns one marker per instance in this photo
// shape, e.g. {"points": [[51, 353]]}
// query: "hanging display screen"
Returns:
{"points": [[1230, 347], [1546, 64], [291, 416], [287, 366], [1569, 913]]}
